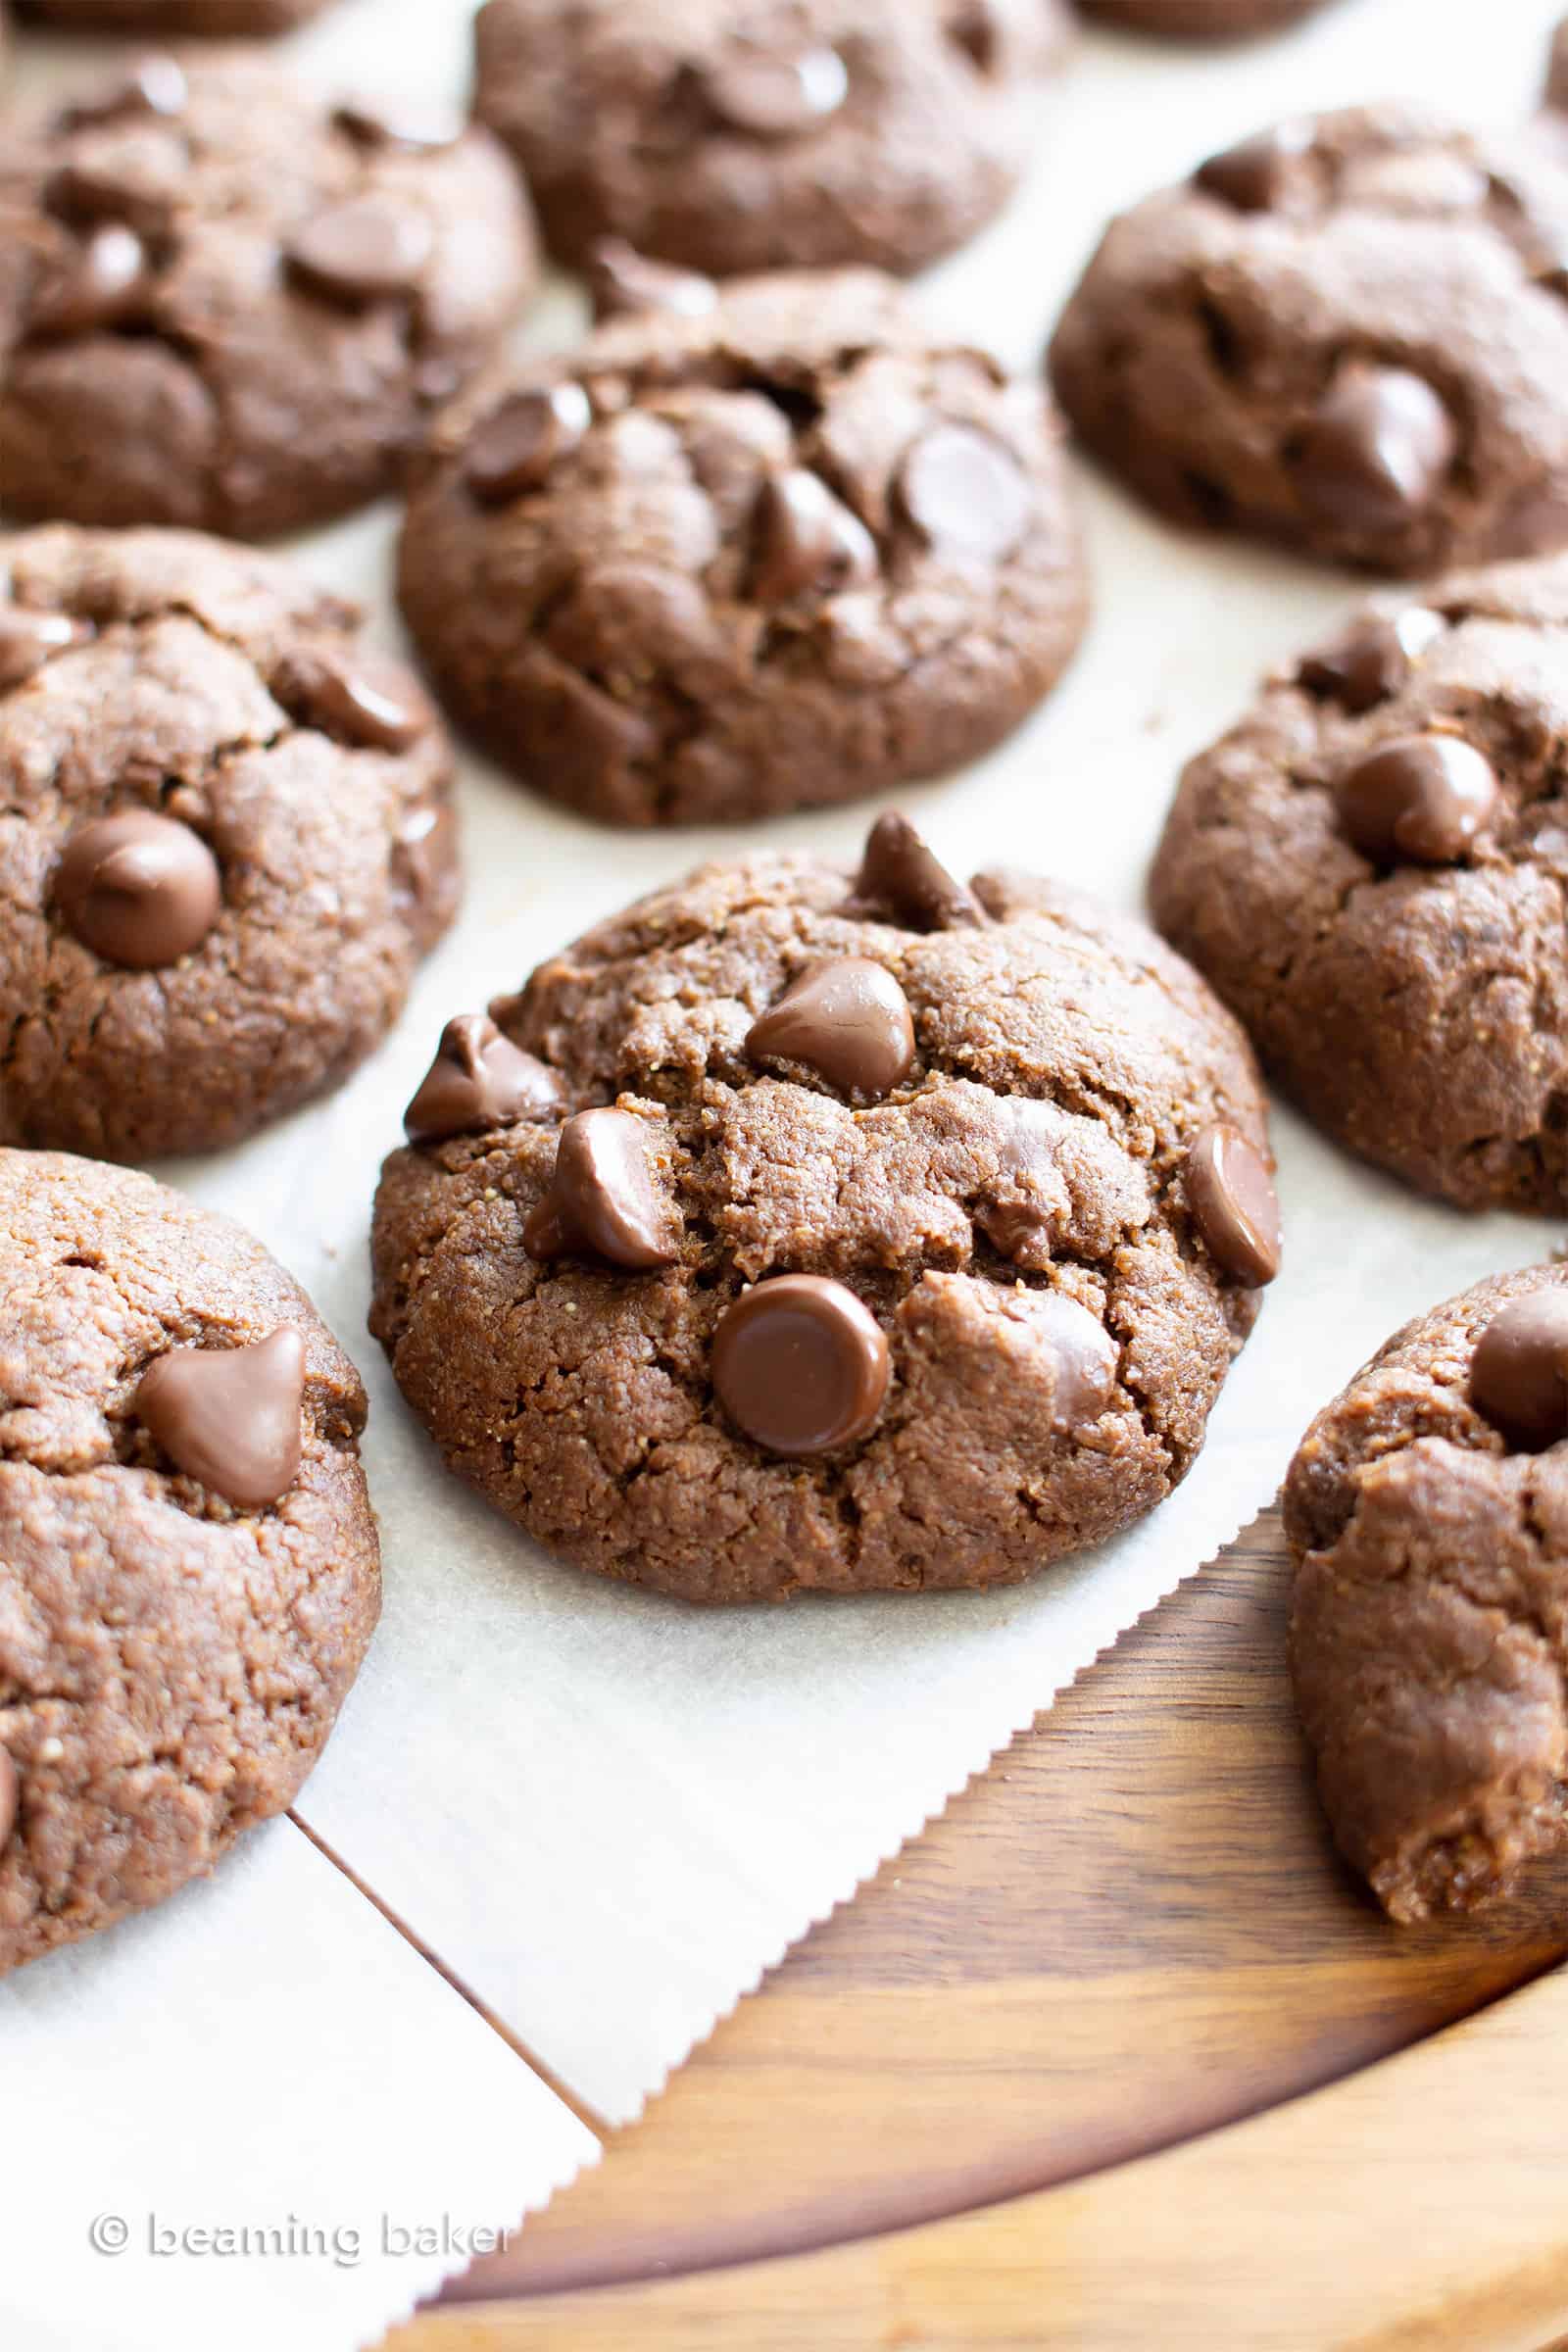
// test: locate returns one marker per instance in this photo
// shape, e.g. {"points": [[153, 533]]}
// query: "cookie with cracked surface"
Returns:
{"points": [[1427, 1513], [847, 1233], [189, 1573], [1200, 20], [1347, 335], [1370, 868], [773, 554], [230, 837], [789, 134], [227, 304], [173, 19]]}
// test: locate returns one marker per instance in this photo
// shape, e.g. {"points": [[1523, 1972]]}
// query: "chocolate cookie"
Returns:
{"points": [[229, 837], [1349, 335], [225, 303], [1200, 20], [790, 134], [171, 20], [1370, 869], [777, 554], [804, 1231], [188, 1565], [1427, 1511]]}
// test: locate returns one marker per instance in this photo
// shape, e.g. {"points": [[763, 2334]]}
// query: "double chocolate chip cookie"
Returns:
{"points": [[1200, 20], [227, 836], [226, 303], [1349, 335], [1370, 868], [1427, 1511], [801, 1230], [787, 133], [188, 1565], [721, 561], [171, 20]]}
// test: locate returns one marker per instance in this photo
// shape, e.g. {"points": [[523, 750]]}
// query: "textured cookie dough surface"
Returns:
{"points": [[793, 133], [171, 1665], [774, 555], [170, 19], [300, 854], [1000, 1222], [224, 304], [1349, 335], [1429, 1631], [1200, 20], [1414, 1000]]}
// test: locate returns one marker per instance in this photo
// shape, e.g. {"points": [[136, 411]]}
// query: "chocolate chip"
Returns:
{"points": [[29, 639], [138, 889], [967, 496], [10, 1796], [363, 250], [357, 696], [1086, 1356], [423, 853], [479, 1080], [602, 1197], [153, 85], [1252, 176], [1519, 1372], [397, 123], [514, 448], [777, 97], [1372, 661], [103, 283], [1233, 1203], [800, 1365], [134, 177], [1377, 451], [1420, 796], [847, 1019], [898, 872], [230, 1416], [623, 280], [808, 542]]}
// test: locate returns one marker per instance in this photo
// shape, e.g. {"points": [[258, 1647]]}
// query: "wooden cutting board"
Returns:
{"points": [[1042, 2083]]}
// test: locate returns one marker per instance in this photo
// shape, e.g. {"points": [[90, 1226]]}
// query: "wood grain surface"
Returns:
{"points": [[1131, 1932]]}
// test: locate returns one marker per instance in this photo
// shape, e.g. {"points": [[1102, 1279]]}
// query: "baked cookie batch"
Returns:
{"points": [[803, 1228]]}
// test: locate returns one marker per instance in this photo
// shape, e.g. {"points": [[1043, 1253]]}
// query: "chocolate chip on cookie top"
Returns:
{"points": [[1344, 334], [232, 306], [779, 552], [478, 1081], [1426, 1510], [188, 1565], [902, 1234], [784, 134], [1369, 867], [228, 841]]}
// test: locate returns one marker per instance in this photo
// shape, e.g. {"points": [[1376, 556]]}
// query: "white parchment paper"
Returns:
{"points": [[605, 1813]]}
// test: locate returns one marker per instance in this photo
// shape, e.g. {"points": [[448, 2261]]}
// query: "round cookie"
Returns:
{"points": [[787, 134], [771, 554], [189, 1573], [1429, 1527], [229, 837], [1370, 869], [1349, 335], [1200, 20], [226, 304], [804, 1231], [171, 20]]}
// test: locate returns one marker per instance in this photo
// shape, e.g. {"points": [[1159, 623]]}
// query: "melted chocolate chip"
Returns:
{"points": [[847, 1019], [800, 1365], [357, 696], [1371, 662], [777, 97], [1425, 798], [479, 1080], [1231, 1196], [1252, 176], [230, 1416], [10, 1796], [808, 542], [363, 250], [1519, 1372], [29, 639], [967, 496], [1377, 451], [1085, 1355], [601, 1197], [138, 889], [898, 872], [103, 283], [623, 281], [514, 448]]}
